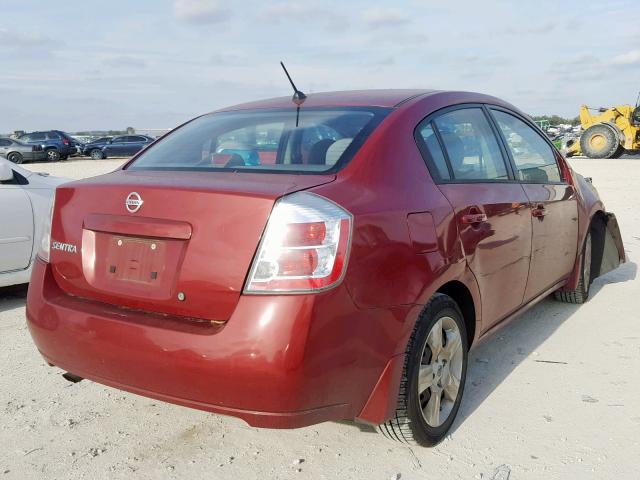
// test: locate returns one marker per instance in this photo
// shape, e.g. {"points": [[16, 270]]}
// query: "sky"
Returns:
{"points": [[86, 65]]}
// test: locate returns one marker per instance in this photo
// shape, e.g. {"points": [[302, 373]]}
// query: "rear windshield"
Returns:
{"points": [[315, 140]]}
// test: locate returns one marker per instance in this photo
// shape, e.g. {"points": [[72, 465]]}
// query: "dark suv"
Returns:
{"points": [[58, 145]]}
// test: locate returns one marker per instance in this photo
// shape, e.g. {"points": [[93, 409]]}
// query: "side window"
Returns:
{"points": [[119, 140], [435, 152], [37, 137], [471, 147], [53, 136], [4, 143], [534, 158]]}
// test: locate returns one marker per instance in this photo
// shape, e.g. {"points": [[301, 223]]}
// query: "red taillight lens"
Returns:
{"points": [[304, 247], [65, 141]]}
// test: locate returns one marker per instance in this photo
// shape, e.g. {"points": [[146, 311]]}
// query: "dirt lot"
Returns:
{"points": [[555, 395]]}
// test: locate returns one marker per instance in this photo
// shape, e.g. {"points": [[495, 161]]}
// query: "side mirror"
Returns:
{"points": [[6, 172]]}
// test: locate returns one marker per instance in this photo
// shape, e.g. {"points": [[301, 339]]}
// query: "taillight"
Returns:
{"points": [[304, 247], [45, 242], [65, 141]]}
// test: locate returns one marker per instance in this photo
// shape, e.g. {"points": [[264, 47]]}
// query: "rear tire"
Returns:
{"points": [[599, 141], [581, 292], [96, 154], [53, 155], [433, 376], [15, 157]]}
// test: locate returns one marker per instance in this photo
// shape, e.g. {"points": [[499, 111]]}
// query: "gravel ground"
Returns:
{"points": [[555, 395]]}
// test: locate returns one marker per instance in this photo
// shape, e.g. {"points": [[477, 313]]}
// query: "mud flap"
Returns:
{"points": [[613, 251]]}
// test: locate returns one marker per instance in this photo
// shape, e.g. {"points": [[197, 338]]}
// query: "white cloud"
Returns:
{"points": [[630, 58], [201, 12], [384, 17], [304, 13], [126, 61], [19, 39]]}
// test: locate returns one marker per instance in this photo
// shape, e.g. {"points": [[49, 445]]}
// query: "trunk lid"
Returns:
{"points": [[185, 251]]}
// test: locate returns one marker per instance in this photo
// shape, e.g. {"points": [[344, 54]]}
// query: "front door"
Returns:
{"points": [[491, 209], [554, 206]]}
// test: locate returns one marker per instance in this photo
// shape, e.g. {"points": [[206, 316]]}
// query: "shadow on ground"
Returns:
{"points": [[13, 297], [493, 359]]}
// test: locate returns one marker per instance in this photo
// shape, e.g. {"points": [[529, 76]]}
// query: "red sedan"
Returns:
{"points": [[290, 266]]}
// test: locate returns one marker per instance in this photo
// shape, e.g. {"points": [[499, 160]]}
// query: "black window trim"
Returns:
{"points": [[426, 156], [536, 129]]}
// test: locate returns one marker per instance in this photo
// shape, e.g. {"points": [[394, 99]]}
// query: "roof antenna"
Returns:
{"points": [[298, 96]]}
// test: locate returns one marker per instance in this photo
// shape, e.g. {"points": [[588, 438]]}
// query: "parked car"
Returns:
{"points": [[121, 146], [58, 145], [26, 199], [95, 144], [336, 262], [18, 152]]}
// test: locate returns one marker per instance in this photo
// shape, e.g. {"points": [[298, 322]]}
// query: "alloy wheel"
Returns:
{"points": [[440, 371]]}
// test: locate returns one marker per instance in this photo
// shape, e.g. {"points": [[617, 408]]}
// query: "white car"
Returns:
{"points": [[25, 203]]}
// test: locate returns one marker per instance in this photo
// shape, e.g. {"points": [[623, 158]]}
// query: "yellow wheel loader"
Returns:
{"points": [[609, 133]]}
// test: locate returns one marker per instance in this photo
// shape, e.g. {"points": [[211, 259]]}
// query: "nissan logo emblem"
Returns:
{"points": [[133, 202]]}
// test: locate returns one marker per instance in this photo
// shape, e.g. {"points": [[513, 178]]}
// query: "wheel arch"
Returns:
{"points": [[461, 294]]}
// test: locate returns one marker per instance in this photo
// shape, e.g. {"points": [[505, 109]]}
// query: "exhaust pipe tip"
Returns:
{"points": [[71, 377]]}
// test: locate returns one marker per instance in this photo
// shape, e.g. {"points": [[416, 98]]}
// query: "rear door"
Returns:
{"points": [[117, 147], [135, 144], [553, 201], [16, 227], [491, 208]]}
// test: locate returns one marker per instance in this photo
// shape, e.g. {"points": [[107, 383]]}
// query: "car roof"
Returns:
{"points": [[388, 98]]}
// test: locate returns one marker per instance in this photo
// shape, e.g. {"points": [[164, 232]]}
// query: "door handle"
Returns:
{"points": [[474, 218], [539, 211]]}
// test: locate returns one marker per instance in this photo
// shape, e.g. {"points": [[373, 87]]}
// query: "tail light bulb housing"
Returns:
{"points": [[304, 248]]}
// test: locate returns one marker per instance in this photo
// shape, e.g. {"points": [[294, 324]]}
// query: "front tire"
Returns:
{"points": [[581, 292], [599, 141], [15, 157], [96, 154], [433, 377]]}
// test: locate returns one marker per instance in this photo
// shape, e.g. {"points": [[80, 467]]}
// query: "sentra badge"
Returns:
{"points": [[64, 247], [133, 202]]}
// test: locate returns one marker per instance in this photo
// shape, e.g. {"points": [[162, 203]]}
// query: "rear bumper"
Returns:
{"points": [[276, 363]]}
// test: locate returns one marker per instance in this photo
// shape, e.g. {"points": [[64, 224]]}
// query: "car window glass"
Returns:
{"points": [[472, 148], [139, 139], [118, 140], [534, 158], [53, 136], [4, 143], [434, 150], [287, 140], [36, 137]]}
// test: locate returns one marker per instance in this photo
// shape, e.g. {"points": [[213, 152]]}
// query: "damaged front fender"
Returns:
{"points": [[612, 252]]}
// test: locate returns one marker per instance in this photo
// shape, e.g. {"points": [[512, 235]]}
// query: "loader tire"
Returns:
{"points": [[599, 141], [619, 152]]}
